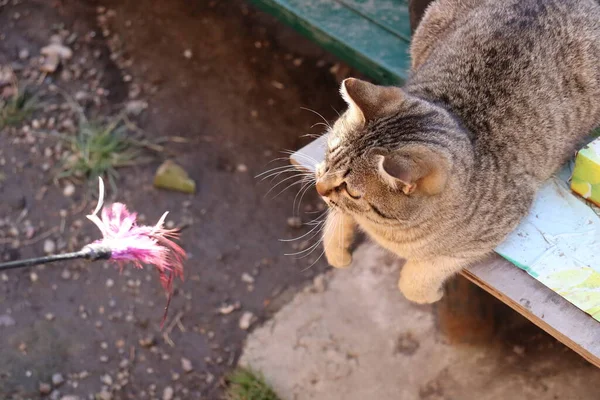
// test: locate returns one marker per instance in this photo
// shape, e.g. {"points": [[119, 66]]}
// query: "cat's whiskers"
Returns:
{"points": [[299, 182], [275, 169], [295, 175], [322, 241], [316, 113], [304, 189], [275, 174], [317, 226], [321, 224]]}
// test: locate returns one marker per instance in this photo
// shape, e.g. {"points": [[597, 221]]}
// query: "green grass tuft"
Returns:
{"points": [[244, 384], [98, 150], [16, 108]]}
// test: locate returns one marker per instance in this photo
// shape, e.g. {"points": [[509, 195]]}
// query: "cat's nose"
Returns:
{"points": [[323, 188]]}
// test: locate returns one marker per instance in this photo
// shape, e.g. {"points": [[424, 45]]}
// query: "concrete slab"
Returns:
{"points": [[353, 336]]}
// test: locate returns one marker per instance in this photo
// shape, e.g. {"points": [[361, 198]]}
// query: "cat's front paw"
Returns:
{"points": [[338, 258], [420, 294]]}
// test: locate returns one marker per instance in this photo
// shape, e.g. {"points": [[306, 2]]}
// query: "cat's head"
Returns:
{"points": [[386, 158]]}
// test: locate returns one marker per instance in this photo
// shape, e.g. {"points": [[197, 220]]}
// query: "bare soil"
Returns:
{"points": [[229, 83]]}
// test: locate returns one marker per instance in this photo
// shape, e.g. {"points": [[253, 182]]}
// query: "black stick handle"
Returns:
{"points": [[90, 252], [42, 260]]}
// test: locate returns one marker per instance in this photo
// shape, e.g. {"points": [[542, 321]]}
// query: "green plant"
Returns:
{"points": [[244, 384], [16, 107], [99, 149]]}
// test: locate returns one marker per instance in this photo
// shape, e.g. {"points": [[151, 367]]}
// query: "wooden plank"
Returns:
{"points": [[374, 49], [515, 287], [541, 305], [391, 14]]}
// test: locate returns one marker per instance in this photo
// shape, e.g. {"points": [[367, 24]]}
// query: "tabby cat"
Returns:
{"points": [[441, 170]]}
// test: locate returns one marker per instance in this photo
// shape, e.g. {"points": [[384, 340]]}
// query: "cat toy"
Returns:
{"points": [[124, 241]]}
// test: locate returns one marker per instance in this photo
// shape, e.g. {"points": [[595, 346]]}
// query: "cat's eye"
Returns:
{"points": [[344, 187]]}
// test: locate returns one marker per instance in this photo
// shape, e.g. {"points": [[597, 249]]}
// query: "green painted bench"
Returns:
{"points": [[374, 36]]}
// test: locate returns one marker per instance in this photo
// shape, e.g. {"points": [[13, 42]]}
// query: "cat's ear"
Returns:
{"points": [[422, 170], [368, 101]]}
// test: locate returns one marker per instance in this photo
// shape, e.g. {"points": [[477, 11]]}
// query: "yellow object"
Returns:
{"points": [[586, 175], [171, 176]]}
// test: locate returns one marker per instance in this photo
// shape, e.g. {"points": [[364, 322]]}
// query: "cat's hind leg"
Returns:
{"points": [[338, 236], [423, 281]]}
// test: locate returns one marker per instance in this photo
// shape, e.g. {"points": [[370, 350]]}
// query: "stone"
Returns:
{"points": [[247, 278], [168, 393], [104, 395], [227, 309], [106, 379], [136, 107], [23, 54], [57, 380], [242, 168], [49, 246], [294, 222], [147, 341], [50, 63], [246, 320], [62, 51], [186, 365], [44, 388]]}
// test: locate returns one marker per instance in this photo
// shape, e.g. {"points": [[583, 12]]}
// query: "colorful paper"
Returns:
{"points": [[558, 243], [586, 175]]}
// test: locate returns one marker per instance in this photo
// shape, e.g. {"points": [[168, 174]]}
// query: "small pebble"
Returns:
{"points": [[110, 283], [278, 85], [23, 54], [65, 274], [57, 380], [45, 388], [294, 222], [186, 365], [49, 317], [168, 393], [188, 54], [246, 320], [104, 395], [106, 379], [49, 246], [148, 341], [227, 309], [69, 190], [242, 168], [246, 277], [34, 277]]}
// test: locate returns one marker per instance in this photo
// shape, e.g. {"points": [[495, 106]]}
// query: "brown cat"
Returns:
{"points": [[440, 171]]}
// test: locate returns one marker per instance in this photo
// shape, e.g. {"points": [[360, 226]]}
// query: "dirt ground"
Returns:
{"points": [[229, 81]]}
